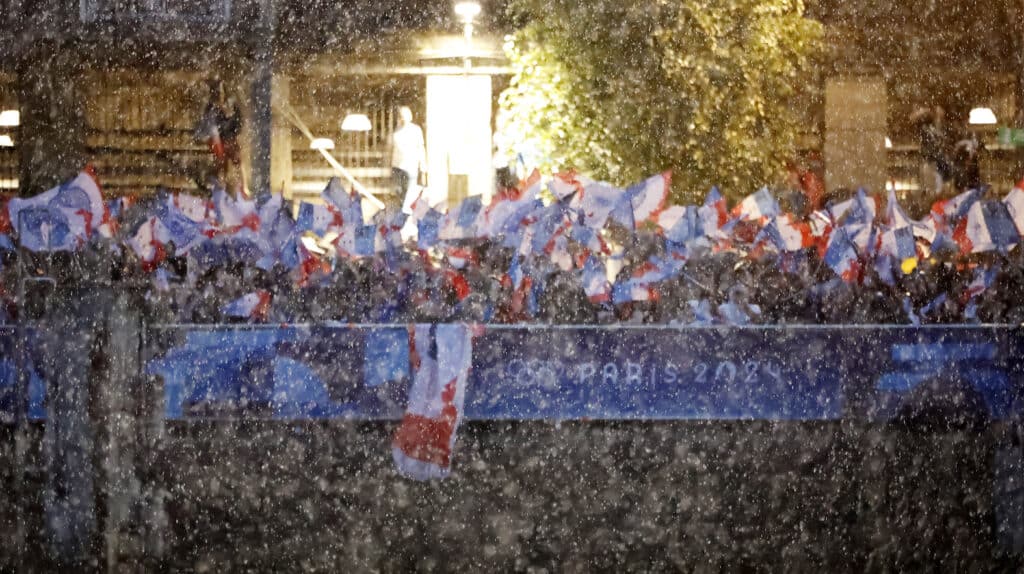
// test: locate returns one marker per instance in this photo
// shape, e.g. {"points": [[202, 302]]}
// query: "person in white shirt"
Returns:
{"points": [[408, 158]]}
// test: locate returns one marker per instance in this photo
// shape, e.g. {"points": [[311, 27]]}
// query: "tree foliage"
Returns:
{"points": [[621, 90]]}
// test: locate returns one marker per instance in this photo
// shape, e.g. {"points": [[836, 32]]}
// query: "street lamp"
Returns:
{"points": [[10, 118], [467, 11], [321, 144], [356, 123], [982, 117]]}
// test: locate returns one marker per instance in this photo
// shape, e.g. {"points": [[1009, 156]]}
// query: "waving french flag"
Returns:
{"points": [[318, 218], [461, 222], [254, 306], [148, 243], [713, 214], [786, 234], [987, 227], [894, 214], [595, 281], [195, 208], [564, 184], [645, 200], [235, 215], [82, 198], [598, 202], [758, 206], [680, 224], [842, 256], [982, 280], [859, 209], [181, 228], [43, 228], [348, 204], [642, 283], [441, 357], [948, 212], [1015, 205], [504, 217]]}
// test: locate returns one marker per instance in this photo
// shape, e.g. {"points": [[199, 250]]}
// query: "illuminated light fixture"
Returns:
{"points": [[321, 143], [356, 123], [6, 141], [10, 118], [888, 143], [982, 117], [467, 11]]}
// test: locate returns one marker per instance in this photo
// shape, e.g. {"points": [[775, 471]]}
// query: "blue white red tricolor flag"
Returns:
{"points": [[987, 227], [254, 306], [758, 206], [441, 357]]}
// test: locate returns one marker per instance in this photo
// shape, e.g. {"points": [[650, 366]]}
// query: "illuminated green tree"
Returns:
{"points": [[620, 90]]}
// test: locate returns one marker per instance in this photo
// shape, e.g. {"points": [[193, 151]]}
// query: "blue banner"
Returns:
{"points": [[362, 372], [594, 373], [13, 358]]}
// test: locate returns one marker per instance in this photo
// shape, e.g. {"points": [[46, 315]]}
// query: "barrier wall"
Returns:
{"points": [[270, 451]]}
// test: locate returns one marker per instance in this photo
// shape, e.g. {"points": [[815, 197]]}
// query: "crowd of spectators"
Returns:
{"points": [[731, 286]]}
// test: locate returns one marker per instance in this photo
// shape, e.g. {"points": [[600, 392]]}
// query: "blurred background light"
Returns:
{"points": [[467, 11], [356, 123], [982, 117], [321, 143], [10, 118]]}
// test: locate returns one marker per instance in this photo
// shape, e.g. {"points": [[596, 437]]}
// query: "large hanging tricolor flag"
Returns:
{"points": [[441, 357], [254, 306]]}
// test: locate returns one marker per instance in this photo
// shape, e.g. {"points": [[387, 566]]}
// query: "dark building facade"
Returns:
{"points": [[121, 84]]}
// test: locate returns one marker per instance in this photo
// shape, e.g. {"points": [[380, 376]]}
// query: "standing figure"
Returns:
{"points": [[967, 172], [220, 127], [931, 132], [408, 158]]}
